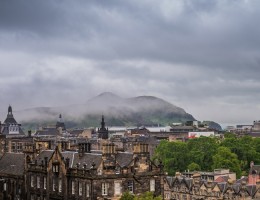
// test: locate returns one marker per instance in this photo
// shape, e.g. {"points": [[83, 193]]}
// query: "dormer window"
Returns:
{"points": [[55, 167]]}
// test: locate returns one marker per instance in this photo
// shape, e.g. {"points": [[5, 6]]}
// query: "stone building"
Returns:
{"points": [[12, 178], [82, 174], [85, 175], [12, 137], [195, 188]]}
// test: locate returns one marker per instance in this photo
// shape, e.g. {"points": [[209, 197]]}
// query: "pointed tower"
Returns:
{"points": [[60, 124], [10, 118], [103, 131], [10, 126]]}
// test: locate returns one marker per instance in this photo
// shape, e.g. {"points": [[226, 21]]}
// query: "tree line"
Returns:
{"points": [[209, 153]]}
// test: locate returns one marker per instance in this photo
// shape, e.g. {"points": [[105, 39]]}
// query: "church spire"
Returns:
{"points": [[103, 123], [10, 112], [103, 131]]}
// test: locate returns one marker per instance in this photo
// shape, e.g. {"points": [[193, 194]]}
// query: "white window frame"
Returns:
{"points": [[60, 185], [44, 183], [87, 190], [72, 187], [167, 196], [32, 181], [38, 182], [117, 188], [152, 185], [104, 189], [80, 188], [54, 185]]}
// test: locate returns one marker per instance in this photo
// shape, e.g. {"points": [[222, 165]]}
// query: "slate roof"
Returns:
{"points": [[222, 186], [12, 164], [236, 187], [243, 179], [43, 154], [76, 132], [5, 131], [86, 159], [251, 190], [10, 120], [188, 182], [170, 180], [47, 132], [124, 158], [148, 140]]}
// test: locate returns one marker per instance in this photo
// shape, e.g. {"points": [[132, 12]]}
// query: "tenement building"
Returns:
{"points": [[195, 188], [82, 174]]}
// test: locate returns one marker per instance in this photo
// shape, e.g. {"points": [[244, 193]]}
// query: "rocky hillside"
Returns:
{"points": [[136, 111]]}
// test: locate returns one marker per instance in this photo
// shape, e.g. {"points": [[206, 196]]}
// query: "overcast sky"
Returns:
{"points": [[201, 55]]}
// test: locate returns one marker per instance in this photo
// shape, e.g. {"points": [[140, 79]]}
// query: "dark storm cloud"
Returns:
{"points": [[187, 51]]}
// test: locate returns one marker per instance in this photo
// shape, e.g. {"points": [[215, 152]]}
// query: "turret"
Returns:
{"points": [[103, 131]]}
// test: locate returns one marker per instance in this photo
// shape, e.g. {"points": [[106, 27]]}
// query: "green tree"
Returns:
{"points": [[229, 135], [147, 196], [127, 196], [193, 167], [201, 151], [224, 158], [174, 156], [246, 149]]}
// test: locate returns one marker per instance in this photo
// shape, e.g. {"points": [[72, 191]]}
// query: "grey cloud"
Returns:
{"points": [[178, 50]]}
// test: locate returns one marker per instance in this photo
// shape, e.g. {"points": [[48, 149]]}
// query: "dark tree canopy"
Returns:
{"points": [[208, 153]]}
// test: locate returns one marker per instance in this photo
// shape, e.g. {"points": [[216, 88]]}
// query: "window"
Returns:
{"points": [[38, 183], [44, 183], [104, 188], [167, 196], [32, 197], [13, 147], [117, 188], [5, 186], [19, 147], [152, 185], [55, 168], [80, 189], [32, 181], [72, 187], [130, 186], [54, 185], [60, 185], [87, 190]]}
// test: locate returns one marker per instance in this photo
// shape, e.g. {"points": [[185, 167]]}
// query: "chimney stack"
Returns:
{"points": [[67, 163], [84, 148], [29, 133]]}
